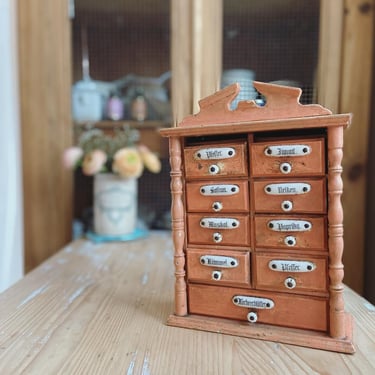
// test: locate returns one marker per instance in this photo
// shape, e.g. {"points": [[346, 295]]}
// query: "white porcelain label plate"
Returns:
{"points": [[291, 188], [281, 265], [219, 223], [289, 225], [287, 150], [215, 153], [253, 302], [218, 261], [218, 190]]}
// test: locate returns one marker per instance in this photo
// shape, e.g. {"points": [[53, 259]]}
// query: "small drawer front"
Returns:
{"points": [[288, 158], [218, 229], [217, 160], [295, 274], [290, 232], [228, 196], [295, 311], [290, 196], [218, 267]]}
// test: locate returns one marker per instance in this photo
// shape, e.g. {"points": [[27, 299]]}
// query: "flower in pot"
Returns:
{"points": [[116, 161]]}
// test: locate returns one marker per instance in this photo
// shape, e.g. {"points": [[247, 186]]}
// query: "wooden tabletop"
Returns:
{"points": [[102, 308]]}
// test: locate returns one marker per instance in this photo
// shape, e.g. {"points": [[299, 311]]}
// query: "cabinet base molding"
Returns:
{"points": [[306, 338]]}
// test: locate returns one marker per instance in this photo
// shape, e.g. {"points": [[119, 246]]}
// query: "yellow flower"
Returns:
{"points": [[150, 160], [93, 162], [127, 163]]}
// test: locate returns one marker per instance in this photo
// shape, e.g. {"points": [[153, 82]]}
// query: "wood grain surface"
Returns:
{"points": [[102, 308]]}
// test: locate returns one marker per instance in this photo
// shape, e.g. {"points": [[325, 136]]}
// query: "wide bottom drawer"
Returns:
{"points": [[259, 307]]}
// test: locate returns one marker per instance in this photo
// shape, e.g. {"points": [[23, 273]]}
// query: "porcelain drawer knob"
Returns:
{"points": [[217, 237], [252, 317], [287, 206], [290, 283], [217, 206], [214, 169], [290, 241], [285, 168], [216, 275]]}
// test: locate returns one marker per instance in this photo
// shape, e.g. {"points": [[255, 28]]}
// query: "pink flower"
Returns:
{"points": [[127, 163], [150, 160], [71, 156], [93, 162]]}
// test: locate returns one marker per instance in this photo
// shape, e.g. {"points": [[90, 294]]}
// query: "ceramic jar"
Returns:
{"points": [[115, 204]]}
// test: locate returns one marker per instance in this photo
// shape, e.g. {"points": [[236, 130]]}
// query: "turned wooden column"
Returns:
{"points": [[178, 226], [335, 233]]}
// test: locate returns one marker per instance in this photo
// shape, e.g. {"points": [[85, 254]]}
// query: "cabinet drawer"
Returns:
{"points": [[218, 266], [209, 196], [288, 158], [283, 309], [291, 273], [290, 232], [216, 160], [218, 229], [292, 196]]}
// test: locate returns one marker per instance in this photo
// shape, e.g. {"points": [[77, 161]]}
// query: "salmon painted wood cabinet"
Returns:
{"points": [[257, 220]]}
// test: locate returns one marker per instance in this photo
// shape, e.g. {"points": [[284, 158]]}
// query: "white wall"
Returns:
{"points": [[11, 216]]}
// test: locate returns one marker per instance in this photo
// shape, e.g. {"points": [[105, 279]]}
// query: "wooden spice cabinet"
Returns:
{"points": [[257, 220]]}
